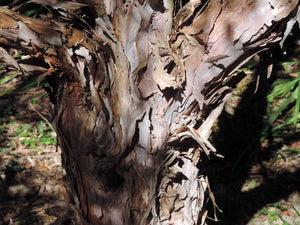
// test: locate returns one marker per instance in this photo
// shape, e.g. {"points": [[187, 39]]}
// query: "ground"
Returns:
{"points": [[257, 183], [32, 185]]}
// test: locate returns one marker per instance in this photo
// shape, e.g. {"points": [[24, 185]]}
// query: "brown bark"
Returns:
{"points": [[136, 92]]}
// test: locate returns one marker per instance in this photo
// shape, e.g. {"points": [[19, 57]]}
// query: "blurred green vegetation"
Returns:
{"points": [[284, 103], [22, 133]]}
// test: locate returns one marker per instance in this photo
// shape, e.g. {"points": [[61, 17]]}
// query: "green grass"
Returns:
{"points": [[8, 78], [284, 104]]}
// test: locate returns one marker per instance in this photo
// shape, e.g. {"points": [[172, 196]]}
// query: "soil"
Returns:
{"points": [[256, 183], [32, 185]]}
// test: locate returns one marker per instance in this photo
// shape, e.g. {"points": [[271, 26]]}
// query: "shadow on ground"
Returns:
{"points": [[32, 184], [238, 140]]}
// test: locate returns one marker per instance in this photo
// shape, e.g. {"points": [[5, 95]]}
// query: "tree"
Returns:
{"points": [[137, 86]]}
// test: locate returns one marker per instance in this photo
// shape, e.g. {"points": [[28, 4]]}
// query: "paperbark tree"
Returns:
{"points": [[137, 86]]}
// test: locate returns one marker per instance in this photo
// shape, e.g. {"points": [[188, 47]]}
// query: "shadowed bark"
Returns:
{"points": [[137, 86]]}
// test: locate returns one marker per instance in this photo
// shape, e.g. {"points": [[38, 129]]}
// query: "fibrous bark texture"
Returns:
{"points": [[137, 86]]}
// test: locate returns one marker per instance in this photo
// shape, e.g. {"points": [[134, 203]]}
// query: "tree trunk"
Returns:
{"points": [[137, 86]]}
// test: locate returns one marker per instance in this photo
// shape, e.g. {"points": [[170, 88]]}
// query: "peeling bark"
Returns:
{"points": [[137, 86]]}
